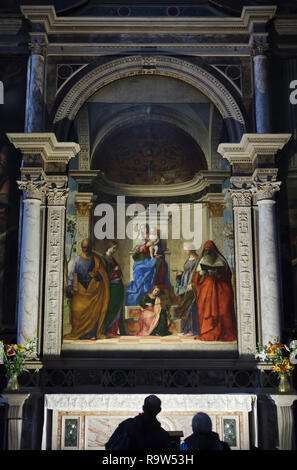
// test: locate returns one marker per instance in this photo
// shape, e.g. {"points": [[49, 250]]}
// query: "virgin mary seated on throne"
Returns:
{"points": [[150, 268]]}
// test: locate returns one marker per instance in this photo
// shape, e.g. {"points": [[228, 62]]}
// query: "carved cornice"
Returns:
{"points": [[54, 24], [201, 181], [253, 146], [196, 48], [44, 145], [286, 26], [10, 25]]}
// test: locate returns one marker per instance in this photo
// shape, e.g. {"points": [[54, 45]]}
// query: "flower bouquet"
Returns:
{"points": [[14, 356], [282, 357]]}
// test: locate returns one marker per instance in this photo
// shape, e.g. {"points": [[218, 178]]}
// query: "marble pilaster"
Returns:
{"points": [[34, 119], [245, 295], [53, 304], [28, 301], [42, 258], [268, 261]]}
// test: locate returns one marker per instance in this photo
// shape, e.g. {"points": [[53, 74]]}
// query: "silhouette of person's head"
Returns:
{"points": [[201, 423], [152, 405]]}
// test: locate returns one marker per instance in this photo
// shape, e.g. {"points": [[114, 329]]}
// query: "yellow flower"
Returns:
{"points": [[273, 347], [283, 368]]}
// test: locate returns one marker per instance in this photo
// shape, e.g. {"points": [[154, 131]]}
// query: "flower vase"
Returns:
{"points": [[13, 384], [284, 385]]}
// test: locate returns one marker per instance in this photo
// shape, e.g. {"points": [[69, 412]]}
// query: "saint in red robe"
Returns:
{"points": [[214, 296]]}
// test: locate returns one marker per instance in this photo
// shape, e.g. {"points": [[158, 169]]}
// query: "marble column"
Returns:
{"points": [[261, 81], [15, 413], [28, 293], [268, 261], [34, 119], [53, 303]]}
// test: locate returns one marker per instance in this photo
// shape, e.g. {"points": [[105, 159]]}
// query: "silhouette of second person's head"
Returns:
{"points": [[201, 423], [152, 405]]}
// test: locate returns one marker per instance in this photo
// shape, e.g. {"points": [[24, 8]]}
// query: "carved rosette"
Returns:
{"points": [[32, 189], [266, 190]]}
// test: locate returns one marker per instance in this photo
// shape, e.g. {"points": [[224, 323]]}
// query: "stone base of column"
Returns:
{"points": [[15, 414]]}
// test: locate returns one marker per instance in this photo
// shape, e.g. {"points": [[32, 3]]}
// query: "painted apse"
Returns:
{"points": [[148, 146]]}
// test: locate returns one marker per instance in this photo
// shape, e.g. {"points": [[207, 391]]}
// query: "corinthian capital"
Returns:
{"points": [[259, 45], [83, 209], [241, 197], [57, 196], [32, 189], [266, 190], [37, 46], [216, 209]]}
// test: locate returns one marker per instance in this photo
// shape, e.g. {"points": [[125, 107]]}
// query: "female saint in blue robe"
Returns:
{"points": [[147, 271]]}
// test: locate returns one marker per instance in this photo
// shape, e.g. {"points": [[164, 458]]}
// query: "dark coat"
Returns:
{"points": [[205, 441], [140, 433]]}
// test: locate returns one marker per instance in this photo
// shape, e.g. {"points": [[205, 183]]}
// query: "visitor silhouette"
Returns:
{"points": [[203, 438], [144, 432]]}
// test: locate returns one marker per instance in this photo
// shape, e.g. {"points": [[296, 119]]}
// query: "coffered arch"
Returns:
{"points": [[195, 75]]}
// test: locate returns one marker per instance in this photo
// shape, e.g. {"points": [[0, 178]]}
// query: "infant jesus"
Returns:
{"points": [[154, 243]]}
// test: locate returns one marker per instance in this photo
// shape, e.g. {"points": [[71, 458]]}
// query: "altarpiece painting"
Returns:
{"points": [[149, 252]]}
